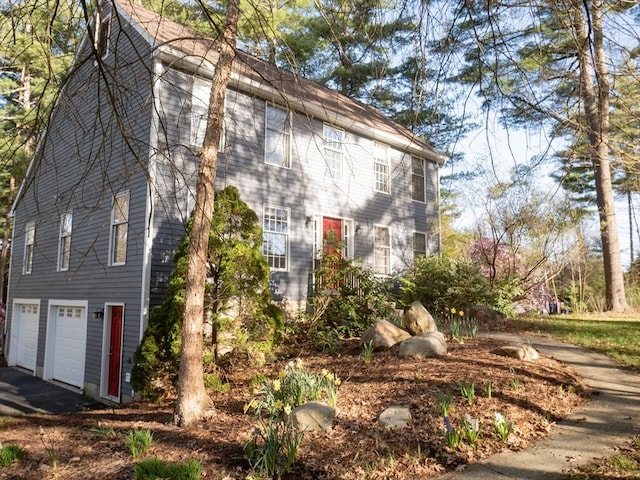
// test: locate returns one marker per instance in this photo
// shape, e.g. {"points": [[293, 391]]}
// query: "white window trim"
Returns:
{"points": [[287, 132], [378, 146], [424, 179], [27, 259], [340, 151], [387, 247], [112, 238], [61, 267], [287, 236]]}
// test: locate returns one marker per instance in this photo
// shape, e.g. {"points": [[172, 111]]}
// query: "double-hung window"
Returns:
{"points": [[382, 251], [64, 245], [29, 242], [277, 142], [381, 168], [119, 229], [275, 238], [418, 184], [333, 152], [419, 245]]}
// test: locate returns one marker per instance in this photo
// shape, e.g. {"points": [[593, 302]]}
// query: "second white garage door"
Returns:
{"points": [[69, 335]]}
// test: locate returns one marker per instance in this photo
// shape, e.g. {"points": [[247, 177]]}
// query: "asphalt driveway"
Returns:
{"points": [[23, 393]]}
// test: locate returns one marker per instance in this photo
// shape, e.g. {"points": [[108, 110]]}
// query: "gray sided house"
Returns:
{"points": [[109, 191]]}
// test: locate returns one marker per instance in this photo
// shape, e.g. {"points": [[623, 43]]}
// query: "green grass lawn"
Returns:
{"points": [[618, 337]]}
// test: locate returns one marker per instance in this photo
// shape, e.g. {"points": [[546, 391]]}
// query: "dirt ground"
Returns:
{"points": [[532, 396]]}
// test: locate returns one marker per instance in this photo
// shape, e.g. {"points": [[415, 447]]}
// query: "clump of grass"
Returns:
{"points": [[367, 353], [153, 468], [213, 382], [468, 391], [104, 430], [10, 454], [138, 441]]}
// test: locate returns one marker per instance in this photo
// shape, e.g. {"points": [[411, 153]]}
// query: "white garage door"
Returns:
{"points": [[69, 335], [24, 336]]}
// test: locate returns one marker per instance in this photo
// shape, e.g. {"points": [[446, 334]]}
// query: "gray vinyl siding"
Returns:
{"points": [[92, 150], [302, 189]]}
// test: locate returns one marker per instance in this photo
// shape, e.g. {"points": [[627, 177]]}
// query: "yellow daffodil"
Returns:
{"points": [[276, 385], [245, 408], [279, 404], [287, 409], [281, 374], [453, 311], [337, 382], [461, 313]]}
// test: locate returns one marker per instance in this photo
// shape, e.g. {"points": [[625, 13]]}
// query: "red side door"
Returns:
{"points": [[115, 351], [332, 252]]}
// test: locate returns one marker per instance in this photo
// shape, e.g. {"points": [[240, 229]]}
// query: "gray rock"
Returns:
{"points": [[487, 315], [384, 335], [417, 320], [313, 416], [520, 351], [395, 417], [424, 346]]}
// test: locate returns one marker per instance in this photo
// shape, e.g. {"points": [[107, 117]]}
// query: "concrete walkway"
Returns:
{"points": [[23, 393], [610, 417]]}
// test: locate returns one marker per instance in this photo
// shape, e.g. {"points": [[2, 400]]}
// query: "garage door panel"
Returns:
{"points": [[25, 336], [69, 345]]}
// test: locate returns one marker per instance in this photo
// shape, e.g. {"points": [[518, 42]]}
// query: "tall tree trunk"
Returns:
{"points": [[192, 400], [594, 91]]}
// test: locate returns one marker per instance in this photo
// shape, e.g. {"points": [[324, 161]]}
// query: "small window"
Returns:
{"points": [[119, 229], [418, 180], [277, 142], [29, 242], [101, 40], [64, 245], [381, 168], [419, 245], [333, 152], [275, 237], [382, 251]]}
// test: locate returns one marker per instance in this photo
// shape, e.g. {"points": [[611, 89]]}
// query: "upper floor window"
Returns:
{"points": [[277, 142], [29, 242], [119, 229], [200, 95], [382, 251], [419, 245], [275, 238], [381, 168], [102, 29], [333, 152], [64, 245], [418, 184]]}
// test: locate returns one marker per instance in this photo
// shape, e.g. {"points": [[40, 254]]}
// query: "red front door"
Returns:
{"points": [[331, 236], [115, 351]]}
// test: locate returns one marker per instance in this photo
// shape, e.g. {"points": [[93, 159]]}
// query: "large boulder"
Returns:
{"points": [[520, 351], [313, 416], [395, 417], [418, 321], [383, 335], [487, 315], [424, 346]]}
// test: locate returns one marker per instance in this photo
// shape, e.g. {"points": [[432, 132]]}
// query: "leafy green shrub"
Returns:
{"points": [[438, 283], [153, 469], [350, 298], [10, 454], [213, 382], [138, 441]]}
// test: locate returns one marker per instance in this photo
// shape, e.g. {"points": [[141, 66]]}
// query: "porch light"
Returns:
{"points": [[98, 314]]}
